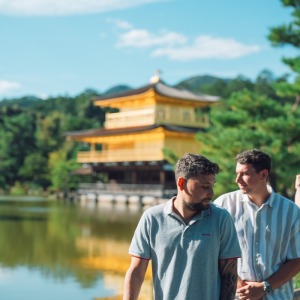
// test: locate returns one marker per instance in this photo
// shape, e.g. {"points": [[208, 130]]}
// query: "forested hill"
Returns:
{"points": [[25, 101], [34, 152], [197, 84], [207, 84]]}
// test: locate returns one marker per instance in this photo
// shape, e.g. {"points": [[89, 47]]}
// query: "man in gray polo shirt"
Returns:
{"points": [[192, 243]]}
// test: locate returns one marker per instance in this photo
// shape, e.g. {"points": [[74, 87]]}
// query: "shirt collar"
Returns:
{"points": [[168, 209], [271, 199], [269, 202]]}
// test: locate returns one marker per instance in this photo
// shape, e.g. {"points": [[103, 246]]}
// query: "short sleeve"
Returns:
{"points": [[140, 244], [229, 244]]}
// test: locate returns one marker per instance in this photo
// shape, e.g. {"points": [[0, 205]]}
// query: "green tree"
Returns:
{"points": [[238, 84], [265, 84], [16, 142], [262, 119], [289, 35], [35, 169], [248, 120], [61, 164], [49, 132]]}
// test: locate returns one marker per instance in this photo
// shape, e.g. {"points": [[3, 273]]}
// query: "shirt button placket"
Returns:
{"points": [[186, 236], [256, 253]]}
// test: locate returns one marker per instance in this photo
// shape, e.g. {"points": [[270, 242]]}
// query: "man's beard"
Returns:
{"points": [[195, 206]]}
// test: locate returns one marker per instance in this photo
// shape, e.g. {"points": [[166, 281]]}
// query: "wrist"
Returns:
{"points": [[267, 287]]}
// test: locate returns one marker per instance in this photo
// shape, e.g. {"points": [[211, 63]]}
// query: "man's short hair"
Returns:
{"points": [[192, 165], [258, 159]]}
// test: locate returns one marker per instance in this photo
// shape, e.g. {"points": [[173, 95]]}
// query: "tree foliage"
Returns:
{"points": [[32, 130], [248, 120], [266, 117], [289, 35]]}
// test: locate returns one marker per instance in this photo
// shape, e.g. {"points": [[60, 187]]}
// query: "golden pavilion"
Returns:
{"points": [[151, 121]]}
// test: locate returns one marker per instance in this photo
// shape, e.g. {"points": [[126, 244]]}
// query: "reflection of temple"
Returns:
{"points": [[151, 121], [112, 258]]}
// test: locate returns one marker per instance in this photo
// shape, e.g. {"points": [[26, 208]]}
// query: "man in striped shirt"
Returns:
{"points": [[268, 227]]}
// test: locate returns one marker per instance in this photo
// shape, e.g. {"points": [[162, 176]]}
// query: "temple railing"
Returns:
{"points": [[146, 154], [139, 190]]}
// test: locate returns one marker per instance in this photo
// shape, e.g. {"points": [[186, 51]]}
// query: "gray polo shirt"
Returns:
{"points": [[185, 257]]}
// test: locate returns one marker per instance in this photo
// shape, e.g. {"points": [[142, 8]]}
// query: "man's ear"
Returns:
{"points": [[265, 174], [180, 183]]}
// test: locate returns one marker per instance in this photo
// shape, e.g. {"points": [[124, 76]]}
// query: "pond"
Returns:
{"points": [[60, 250]]}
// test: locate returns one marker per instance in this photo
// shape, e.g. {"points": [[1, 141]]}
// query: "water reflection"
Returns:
{"points": [[60, 250]]}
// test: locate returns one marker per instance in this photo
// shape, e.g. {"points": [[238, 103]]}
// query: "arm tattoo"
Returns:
{"points": [[228, 273]]}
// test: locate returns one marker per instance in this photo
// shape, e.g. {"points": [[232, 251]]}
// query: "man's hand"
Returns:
{"points": [[240, 283], [251, 291]]}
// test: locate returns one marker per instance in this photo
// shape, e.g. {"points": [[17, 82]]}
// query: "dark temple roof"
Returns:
{"points": [[136, 129], [165, 90]]}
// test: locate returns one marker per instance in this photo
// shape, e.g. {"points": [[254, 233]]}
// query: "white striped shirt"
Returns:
{"points": [[268, 235]]}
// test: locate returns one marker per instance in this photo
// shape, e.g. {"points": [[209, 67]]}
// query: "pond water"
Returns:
{"points": [[62, 250]]}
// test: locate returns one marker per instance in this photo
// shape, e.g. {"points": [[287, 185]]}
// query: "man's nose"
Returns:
{"points": [[211, 193], [238, 178]]}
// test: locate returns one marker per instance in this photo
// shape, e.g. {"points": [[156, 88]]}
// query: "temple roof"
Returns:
{"points": [[113, 131], [165, 90]]}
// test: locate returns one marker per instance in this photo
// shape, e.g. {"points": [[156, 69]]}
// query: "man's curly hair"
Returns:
{"points": [[191, 165]]}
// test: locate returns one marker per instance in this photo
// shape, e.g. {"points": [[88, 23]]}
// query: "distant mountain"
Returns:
{"points": [[24, 102], [116, 90], [196, 83]]}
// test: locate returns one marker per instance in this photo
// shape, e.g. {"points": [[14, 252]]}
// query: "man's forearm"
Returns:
{"points": [[228, 272], [134, 278], [285, 273], [255, 289], [132, 286]]}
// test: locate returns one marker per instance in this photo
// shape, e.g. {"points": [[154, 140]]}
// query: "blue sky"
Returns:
{"points": [[62, 47]]}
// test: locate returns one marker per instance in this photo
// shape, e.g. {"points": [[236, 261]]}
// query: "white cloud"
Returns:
{"points": [[6, 86], [177, 47], [205, 47], [120, 23], [143, 38], [65, 7]]}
